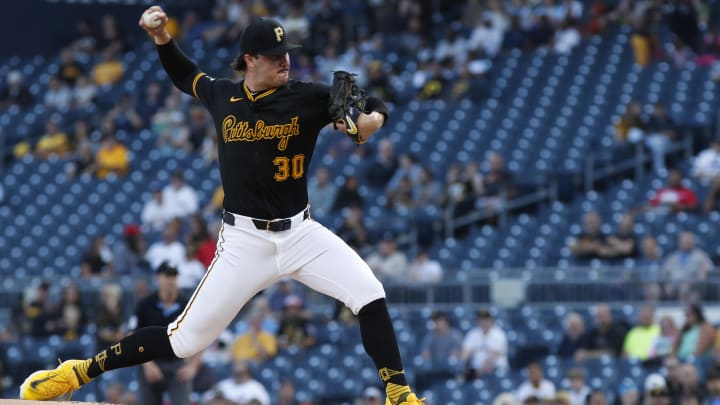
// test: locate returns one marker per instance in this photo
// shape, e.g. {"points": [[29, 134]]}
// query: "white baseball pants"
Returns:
{"points": [[249, 260]]}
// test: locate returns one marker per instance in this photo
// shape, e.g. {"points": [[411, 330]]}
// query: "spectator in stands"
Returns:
{"points": [[240, 388], [663, 344], [353, 230], [111, 158], [672, 382], [169, 123], [696, 336], [628, 394], [69, 69], [109, 316], [295, 330], [536, 385], [109, 70], [157, 377], [151, 101], [691, 386], [283, 289], [630, 126], [54, 143], [578, 392], [423, 269], [15, 92], [458, 198], [656, 390], [596, 397], [706, 166], [321, 191], [129, 253], [441, 350], [382, 168], [125, 115], [98, 260], [180, 198], [515, 37], [640, 339], [649, 267], [57, 96], [256, 344], [674, 197], [567, 37], [110, 38], [117, 393], [84, 92], [643, 41], [169, 249], [197, 126], [388, 262], [201, 240], [190, 269], [485, 347], [605, 338], [286, 393], [572, 338], [623, 243], [408, 168], [497, 185], [400, 198], [712, 386], [687, 265], [37, 309], [81, 157], [591, 242], [154, 215], [426, 190], [659, 133]]}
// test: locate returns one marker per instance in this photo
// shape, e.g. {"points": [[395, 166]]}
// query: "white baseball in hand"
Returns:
{"points": [[151, 19]]}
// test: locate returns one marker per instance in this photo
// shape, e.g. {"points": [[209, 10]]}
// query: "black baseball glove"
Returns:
{"points": [[347, 101]]}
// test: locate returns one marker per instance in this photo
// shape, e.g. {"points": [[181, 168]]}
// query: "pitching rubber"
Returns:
{"points": [[22, 402]]}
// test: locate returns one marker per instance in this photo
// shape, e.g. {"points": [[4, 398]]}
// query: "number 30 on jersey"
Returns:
{"points": [[286, 167]]}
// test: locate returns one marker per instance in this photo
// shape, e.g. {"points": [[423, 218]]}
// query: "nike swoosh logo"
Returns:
{"points": [[35, 383], [235, 99], [350, 125]]}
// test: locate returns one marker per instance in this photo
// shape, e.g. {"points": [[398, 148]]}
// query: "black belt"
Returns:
{"points": [[273, 225]]}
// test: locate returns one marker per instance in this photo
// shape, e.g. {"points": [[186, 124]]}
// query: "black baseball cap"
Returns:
{"points": [[167, 269], [265, 36]]}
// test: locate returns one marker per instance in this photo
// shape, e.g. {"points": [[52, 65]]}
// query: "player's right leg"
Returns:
{"points": [[243, 266], [328, 265]]}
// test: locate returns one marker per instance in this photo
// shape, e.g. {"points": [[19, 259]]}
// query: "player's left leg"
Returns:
{"points": [[328, 265]]}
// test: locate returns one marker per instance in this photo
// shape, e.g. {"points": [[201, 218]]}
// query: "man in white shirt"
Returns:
{"points": [[241, 388], [485, 346], [424, 270], [388, 263], [536, 385], [155, 214], [168, 249], [179, 198], [707, 164]]}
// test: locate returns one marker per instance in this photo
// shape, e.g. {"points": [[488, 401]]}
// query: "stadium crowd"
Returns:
{"points": [[402, 51]]}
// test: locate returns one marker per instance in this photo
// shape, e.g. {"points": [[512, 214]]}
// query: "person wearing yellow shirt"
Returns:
{"points": [[109, 70], [112, 157], [639, 340], [256, 344], [54, 142]]}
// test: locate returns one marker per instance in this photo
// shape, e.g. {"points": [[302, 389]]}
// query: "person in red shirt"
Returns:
{"points": [[674, 197]]}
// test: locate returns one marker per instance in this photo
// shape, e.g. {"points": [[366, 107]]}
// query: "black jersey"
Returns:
{"points": [[265, 140]]}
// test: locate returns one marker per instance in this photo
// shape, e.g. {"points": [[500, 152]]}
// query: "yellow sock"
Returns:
{"points": [[81, 370], [394, 391]]}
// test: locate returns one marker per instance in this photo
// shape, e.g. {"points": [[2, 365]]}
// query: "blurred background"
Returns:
{"points": [[549, 177]]}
